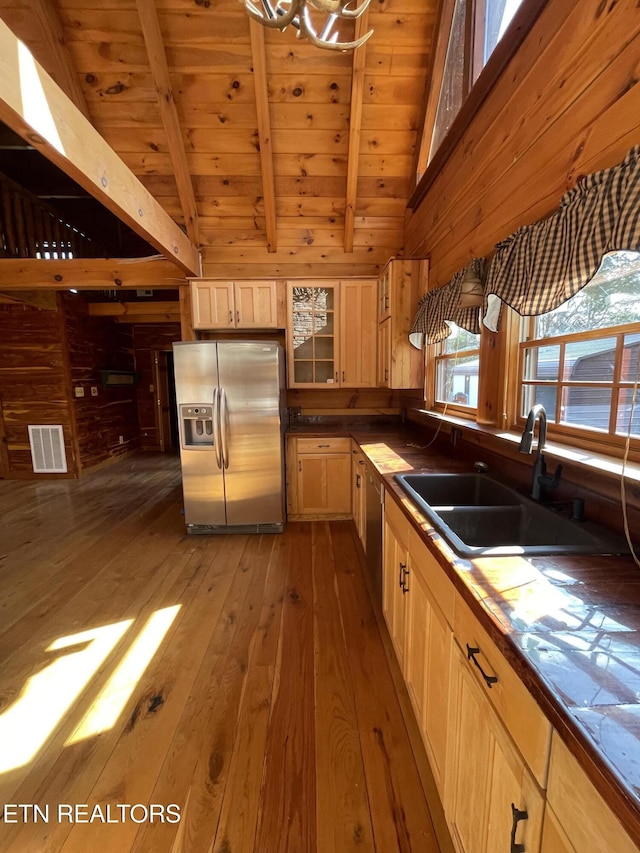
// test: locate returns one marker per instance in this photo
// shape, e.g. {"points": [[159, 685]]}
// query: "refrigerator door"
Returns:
{"points": [[196, 377], [252, 447]]}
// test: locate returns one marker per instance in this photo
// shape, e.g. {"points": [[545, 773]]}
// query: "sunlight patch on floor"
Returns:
{"points": [[48, 695], [105, 711]]}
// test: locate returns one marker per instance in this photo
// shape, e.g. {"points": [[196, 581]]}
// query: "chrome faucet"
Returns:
{"points": [[540, 480]]}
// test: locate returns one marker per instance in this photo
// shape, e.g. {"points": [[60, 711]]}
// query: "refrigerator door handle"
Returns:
{"points": [[216, 425], [224, 423]]}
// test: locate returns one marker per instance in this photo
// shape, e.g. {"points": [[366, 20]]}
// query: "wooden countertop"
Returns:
{"points": [[569, 626]]}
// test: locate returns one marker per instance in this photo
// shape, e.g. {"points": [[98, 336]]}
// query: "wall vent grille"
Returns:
{"points": [[47, 449]]}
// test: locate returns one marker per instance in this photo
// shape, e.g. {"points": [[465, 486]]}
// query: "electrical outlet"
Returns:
{"points": [[79, 391], [121, 439], [94, 390]]}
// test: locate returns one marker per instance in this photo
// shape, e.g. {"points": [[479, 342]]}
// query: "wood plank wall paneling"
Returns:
{"points": [[33, 388], [96, 343], [567, 104], [334, 401], [147, 339]]}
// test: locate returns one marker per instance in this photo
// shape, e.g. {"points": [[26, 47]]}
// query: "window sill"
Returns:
{"points": [[600, 463]]}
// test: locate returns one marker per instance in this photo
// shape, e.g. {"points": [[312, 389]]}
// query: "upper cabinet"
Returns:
{"points": [[400, 286], [234, 304], [331, 334]]}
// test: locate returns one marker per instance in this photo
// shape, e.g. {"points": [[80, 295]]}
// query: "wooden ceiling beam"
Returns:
{"points": [[89, 274], [64, 71], [264, 132], [37, 109], [355, 126], [135, 309], [152, 33]]}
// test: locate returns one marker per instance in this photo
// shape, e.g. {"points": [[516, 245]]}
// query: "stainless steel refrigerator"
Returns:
{"points": [[230, 398]]}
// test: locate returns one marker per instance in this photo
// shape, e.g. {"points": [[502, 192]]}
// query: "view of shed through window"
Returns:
{"points": [[457, 365], [581, 360], [476, 28]]}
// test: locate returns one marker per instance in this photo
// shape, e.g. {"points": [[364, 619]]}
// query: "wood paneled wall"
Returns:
{"points": [[93, 344], [567, 104], [147, 339], [33, 386]]}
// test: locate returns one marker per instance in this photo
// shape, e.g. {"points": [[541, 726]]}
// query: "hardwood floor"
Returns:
{"points": [[241, 678]]}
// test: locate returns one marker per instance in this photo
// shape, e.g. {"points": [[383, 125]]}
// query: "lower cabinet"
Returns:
{"points": [[508, 782], [318, 478], [492, 802]]}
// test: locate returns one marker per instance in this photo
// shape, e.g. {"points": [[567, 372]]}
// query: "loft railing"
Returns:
{"points": [[31, 228]]}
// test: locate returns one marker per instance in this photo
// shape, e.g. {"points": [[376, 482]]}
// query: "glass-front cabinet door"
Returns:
{"points": [[313, 341]]}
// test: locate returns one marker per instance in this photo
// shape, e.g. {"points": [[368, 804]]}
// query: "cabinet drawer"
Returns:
{"points": [[323, 445], [425, 564], [518, 710], [397, 520]]}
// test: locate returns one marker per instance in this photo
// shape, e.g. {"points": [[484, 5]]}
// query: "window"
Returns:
{"points": [[476, 28], [456, 365], [582, 360]]}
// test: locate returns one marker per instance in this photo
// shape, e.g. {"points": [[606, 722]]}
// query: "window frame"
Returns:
{"points": [[435, 357], [610, 442], [522, 22]]}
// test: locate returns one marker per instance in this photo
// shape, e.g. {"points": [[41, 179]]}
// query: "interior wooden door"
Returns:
{"points": [[163, 403]]}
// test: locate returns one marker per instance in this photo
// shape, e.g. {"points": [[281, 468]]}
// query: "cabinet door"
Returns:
{"points": [[584, 822], [256, 305], [394, 600], [212, 305], [427, 670], [324, 484], [486, 778], [312, 335], [384, 354], [358, 327]]}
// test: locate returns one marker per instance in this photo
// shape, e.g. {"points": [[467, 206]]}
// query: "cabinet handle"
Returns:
{"points": [[358, 479], [343, 376], [386, 302], [518, 815], [237, 316], [299, 465], [337, 376], [405, 575], [471, 655], [361, 462], [386, 374], [230, 318], [402, 566], [324, 445]]}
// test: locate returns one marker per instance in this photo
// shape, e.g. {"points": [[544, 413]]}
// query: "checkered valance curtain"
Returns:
{"points": [[459, 300], [542, 265]]}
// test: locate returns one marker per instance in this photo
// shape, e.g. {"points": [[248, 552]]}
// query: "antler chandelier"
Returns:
{"points": [[282, 13]]}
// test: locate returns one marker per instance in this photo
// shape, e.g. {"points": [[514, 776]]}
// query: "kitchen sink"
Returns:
{"points": [[479, 516]]}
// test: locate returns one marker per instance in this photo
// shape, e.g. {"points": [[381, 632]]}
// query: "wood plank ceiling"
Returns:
{"points": [[278, 158]]}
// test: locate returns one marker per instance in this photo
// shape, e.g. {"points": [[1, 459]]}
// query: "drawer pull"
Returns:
{"points": [[324, 445], [405, 574], [518, 815], [471, 655]]}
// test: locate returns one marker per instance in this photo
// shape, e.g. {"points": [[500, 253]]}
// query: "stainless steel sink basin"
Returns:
{"points": [[479, 516]]}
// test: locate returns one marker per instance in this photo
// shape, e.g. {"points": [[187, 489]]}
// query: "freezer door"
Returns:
{"points": [[196, 376], [249, 376]]}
